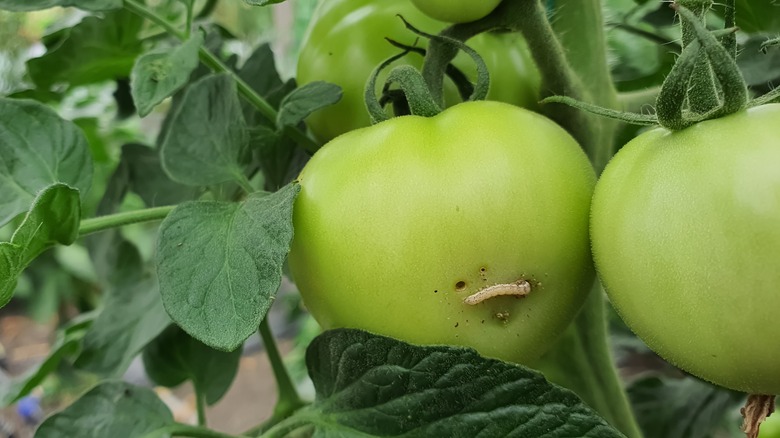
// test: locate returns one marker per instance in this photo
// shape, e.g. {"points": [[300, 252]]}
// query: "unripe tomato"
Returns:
{"points": [[686, 239], [770, 428], [346, 41], [396, 224], [456, 11]]}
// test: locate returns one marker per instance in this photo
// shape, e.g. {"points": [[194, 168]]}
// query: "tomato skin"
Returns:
{"points": [[456, 11], [685, 229], [345, 41], [392, 217], [770, 428]]}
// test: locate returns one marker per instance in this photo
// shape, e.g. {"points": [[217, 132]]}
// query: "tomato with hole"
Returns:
{"points": [[456, 11], [346, 40], [686, 239], [398, 223]]}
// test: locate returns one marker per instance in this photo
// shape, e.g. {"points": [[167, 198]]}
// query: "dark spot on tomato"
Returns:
{"points": [[460, 285], [456, 324]]}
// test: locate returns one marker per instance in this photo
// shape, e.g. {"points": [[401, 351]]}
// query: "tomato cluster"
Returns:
{"points": [[474, 227], [346, 41]]}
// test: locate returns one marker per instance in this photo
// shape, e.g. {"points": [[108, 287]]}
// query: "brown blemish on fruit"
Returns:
{"points": [[459, 286]]}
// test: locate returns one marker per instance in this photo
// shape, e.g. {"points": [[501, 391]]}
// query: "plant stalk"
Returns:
{"points": [[211, 61], [579, 28], [185, 430], [288, 399], [102, 223], [200, 404]]}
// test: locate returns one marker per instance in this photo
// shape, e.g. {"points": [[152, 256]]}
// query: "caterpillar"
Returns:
{"points": [[519, 288]]}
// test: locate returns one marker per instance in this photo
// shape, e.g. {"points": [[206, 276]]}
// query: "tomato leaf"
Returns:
{"points": [[110, 409], [207, 138], [303, 101], [175, 356], [35, 5], [160, 73], [37, 149], [95, 50], [53, 218], [220, 264], [259, 71], [681, 408], [132, 316], [370, 385], [279, 157], [147, 179]]}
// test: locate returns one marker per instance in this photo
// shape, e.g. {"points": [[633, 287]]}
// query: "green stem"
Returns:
{"points": [[101, 223], [246, 186], [190, 6], [584, 349], [200, 404], [579, 26], [639, 101], [288, 399], [558, 78], [207, 9], [581, 361], [185, 430], [214, 63]]}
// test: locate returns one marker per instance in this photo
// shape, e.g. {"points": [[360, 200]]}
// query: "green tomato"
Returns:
{"points": [[686, 239], [346, 41], [396, 224], [456, 11], [770, 428]]}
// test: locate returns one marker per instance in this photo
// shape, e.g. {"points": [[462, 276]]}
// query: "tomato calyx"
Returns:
{"points": [[705, 82], [461, 81], [416, 92], [757, 408], [519, 288]]}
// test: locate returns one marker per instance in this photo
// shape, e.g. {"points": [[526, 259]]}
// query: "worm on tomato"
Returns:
{"points": [[519, 288]]}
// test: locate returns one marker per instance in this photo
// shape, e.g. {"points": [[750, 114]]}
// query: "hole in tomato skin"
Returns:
{"points": [[460, 285]]}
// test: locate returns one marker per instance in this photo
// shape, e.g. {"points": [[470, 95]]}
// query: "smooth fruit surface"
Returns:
{"points": [[456, 11], [770, 428], [398, 223], [686, 239], [345, 42]]}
